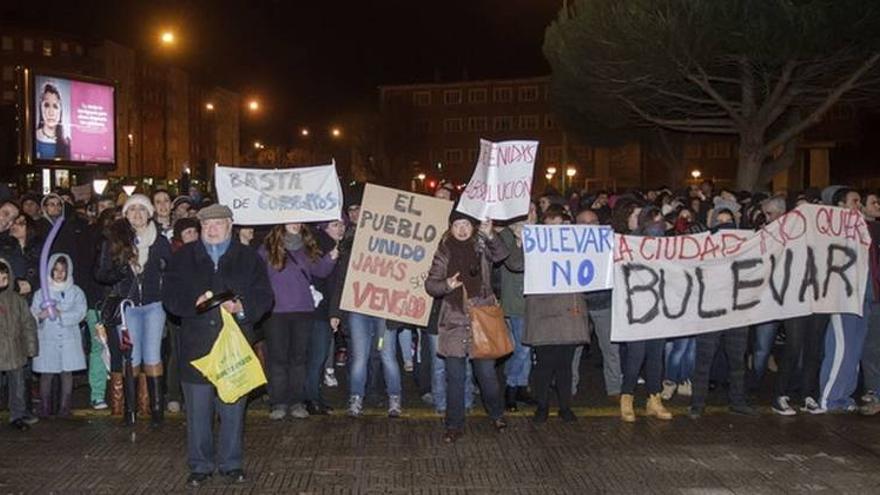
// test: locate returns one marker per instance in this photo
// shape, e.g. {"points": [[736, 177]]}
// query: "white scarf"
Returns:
{"points": [[142, 243]]}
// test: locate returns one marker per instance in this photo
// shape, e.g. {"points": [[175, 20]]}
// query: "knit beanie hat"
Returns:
{"points": [[138, 199]]}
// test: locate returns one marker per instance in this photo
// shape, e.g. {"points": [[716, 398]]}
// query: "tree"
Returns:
{"points": [[761, 70]]}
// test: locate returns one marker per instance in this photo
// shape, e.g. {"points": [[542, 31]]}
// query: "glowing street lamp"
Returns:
{"points": [[548, 176], [422, 176], [167, 38], [304, 132], [209, 106], [570, 172], [696, 174], [254, 105], [258, 145], [336, 132], [551, 170]]}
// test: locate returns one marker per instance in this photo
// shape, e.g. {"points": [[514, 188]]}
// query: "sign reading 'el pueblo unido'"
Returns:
{"points": [[501, 185], [814, 259], [273, 196], [392, 253], [563, 259]]}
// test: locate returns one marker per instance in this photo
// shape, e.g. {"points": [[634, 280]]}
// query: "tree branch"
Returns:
{"points": [[703, 83]]}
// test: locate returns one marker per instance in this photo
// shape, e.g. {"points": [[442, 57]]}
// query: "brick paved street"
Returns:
{"points": [[720, 454]]}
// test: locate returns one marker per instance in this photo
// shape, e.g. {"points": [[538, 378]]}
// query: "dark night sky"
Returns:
{"points": [[312, 61]]}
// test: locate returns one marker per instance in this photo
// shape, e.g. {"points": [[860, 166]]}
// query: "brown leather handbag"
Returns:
{"points": [[490, 338]]}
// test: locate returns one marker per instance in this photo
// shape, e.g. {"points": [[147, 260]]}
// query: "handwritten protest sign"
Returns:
{"points": [[501, 185], [392, 252], [567, 258], [261, 197], [814, 259]]}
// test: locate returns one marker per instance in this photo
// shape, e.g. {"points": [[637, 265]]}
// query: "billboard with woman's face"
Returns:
{"points": [[74, 121]]}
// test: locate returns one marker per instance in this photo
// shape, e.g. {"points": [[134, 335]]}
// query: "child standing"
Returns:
{"points": [[61, 350], [18, 342]]}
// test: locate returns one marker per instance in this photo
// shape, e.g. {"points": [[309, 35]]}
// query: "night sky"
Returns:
{"points": [[312, 62]]}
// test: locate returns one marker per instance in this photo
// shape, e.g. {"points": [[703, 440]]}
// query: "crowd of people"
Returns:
{"points": [[146, 262]]}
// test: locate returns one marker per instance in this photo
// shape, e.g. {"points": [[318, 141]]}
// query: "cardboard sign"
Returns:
{"points": [[814, 259], [568, 258], [501, 185], [397, 235], [264, 197]]}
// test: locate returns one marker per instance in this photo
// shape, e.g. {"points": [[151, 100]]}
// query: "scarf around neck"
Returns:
{"points": [[142, 242]]}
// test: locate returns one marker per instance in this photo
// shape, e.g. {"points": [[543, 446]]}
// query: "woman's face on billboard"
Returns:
{"points": [[51, 110]]}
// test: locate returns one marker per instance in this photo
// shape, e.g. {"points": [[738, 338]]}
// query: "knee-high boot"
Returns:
{"points": [[153, 374], [116, 393], [143, 395]]}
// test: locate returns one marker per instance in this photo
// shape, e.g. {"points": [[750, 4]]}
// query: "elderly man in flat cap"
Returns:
{"points": [[197, 272]]}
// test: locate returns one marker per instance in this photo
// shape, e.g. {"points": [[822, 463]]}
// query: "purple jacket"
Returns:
{"points": [[291, 285]]}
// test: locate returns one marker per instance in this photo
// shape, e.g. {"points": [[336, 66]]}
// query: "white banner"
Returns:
{"points": [[263, 197], [814, 259], [501, 185], [567, 258]]}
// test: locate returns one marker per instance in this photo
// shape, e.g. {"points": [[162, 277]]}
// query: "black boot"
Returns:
{"points": [[522, 395], [510, 399], [129, 388], [157, 406]]}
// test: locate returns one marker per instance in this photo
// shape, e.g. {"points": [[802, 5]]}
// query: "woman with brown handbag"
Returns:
{"points": [[462, 265]]}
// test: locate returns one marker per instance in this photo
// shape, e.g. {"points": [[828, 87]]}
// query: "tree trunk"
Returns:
{"points": [[749, 171]]}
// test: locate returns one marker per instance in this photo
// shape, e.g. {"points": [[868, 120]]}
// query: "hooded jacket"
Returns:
{"points": [[18, 329], [60, 339]]}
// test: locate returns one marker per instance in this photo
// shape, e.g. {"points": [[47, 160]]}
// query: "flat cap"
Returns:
{"points": [[214, 212]]}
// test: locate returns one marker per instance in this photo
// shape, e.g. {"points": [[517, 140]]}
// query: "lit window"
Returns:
{"points": [[27, 45], [528, 122], [452, 125], [502, 95], [478, 124], [452, 97], [47, 48], [718, 149], [477, 95], [422, 98], [528, 93], [692, 151]]}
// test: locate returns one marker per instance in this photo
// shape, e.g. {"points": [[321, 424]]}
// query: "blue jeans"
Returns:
{"points": [[765, 336], [438, 379], [146, 324], [405, 340], [319, 347], [362, 329], [456, 378], [201, 405], [680, 356], [519, 364], [649, 353]]}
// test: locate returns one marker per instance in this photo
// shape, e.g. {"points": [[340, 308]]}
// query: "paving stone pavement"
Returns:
{"points": [[719, 454]]}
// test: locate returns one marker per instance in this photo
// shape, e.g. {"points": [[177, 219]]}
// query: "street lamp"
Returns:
{"points": [[304, 132], [551, 170], [167, 38], [570, 173], [257, 145], [696, 174], [548, 176], [253, 105], [336, 132], [209, 106]]}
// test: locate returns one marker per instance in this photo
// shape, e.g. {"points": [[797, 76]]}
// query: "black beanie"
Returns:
{"points": [[457, 215]]}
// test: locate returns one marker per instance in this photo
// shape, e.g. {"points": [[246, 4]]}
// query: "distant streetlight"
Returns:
{"points": [[209, 106], [253, 105], [570, 172], [551, 170], [548, 176], [257, 145], [167, 38], [421, 176], [696, 174], [336, 132], [304, 132]]}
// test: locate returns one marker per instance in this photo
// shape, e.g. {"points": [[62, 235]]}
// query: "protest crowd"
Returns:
{"points": [[150, 264]]}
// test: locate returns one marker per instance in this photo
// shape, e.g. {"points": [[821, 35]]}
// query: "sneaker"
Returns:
{"points": [[20, 425], [428, 398], [299, 411], [394, 407], [234, 477], [744, 409], [452, 435], [870, 409], [355, 406], [695, 412], [668, 390], [567, 415], [330, 378], [685, 389], [408, 366], [847, 409], [278, 413], [781, 406], [99, 405], [870, 397], [540, 416], [196, 480], [30, 420], [812, 407], [173, 406]]}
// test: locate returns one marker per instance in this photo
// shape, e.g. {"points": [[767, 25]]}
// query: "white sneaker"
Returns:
{"points": [[173, 406], [99, 406], [668, 390], [355, 405], [781, 406], [278, 413], [394, 406], [812, 407], [299, 411], [330, 378], [685, 389]]}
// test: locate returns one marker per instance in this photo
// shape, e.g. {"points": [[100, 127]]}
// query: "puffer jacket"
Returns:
{"points": [[556, 319], [18, 329], [454, 326]]}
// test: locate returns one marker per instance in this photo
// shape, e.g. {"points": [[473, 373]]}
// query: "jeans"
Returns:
{"points": [[871, 352], [319, 347], [201, 405], [610, 351], [805, 336], [362, 329], [146, 324], [649, 352], [734, 342], [438, 379], [16, 394], [680, 356], [518, 365], [553, 362], [456, 376], [765, 336], [97, 370], [287, 342], [405, 340]]}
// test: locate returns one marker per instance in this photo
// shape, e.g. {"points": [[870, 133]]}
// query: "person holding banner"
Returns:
{"points": [[293, 258], [630, 218], [463, 264], [556, 324], [199, 270]]}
